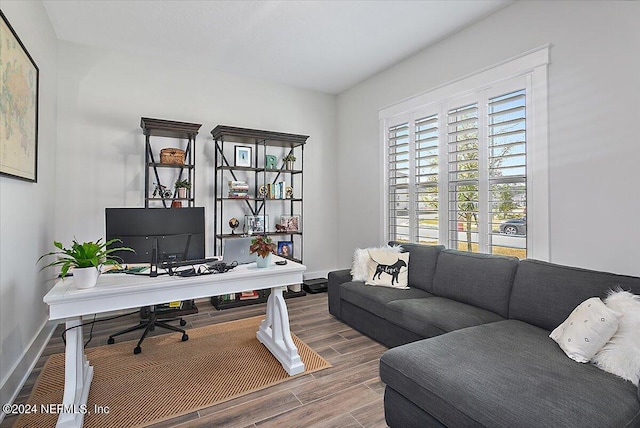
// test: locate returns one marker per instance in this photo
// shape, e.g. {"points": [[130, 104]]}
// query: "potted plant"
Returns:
{"points": [[263, 247], [182, 186], [85, 259], [289, 160]]}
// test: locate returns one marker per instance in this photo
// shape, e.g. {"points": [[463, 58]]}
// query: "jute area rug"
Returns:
{"points": [[170, 377]]}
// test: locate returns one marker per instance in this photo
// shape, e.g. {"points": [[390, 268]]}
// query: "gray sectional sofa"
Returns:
{"points": [[470, 345]]}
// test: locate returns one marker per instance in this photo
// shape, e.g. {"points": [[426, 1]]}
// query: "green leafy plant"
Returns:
{"points": [[87, 254], [263, 245], [289, 158], [183, 184]]}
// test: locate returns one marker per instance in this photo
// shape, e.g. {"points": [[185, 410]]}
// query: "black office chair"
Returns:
{"points": [[150, 320]]}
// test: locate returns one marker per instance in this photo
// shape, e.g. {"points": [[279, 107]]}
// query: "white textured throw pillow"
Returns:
{"points": [[621, 355], [388, 269], [587, 329], [361, 260]]}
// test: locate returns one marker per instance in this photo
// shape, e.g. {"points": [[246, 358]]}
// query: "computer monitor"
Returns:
{"points": [[157, 234]]}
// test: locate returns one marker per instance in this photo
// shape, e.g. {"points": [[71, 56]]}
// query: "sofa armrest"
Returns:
{"points": [[336, 278]]}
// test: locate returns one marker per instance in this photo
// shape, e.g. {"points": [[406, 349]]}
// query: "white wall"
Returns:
{"points": [[27, 215], [593, 107], [100, 158]]}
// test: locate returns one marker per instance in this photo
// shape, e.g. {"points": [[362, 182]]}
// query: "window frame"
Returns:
{"points": [[530, 68]]}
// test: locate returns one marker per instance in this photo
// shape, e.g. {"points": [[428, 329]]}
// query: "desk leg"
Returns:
{"points": [[274, 333], [77, 377]]}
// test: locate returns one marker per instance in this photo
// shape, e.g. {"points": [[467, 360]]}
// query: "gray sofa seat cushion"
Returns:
{"points": [[436, 315], [422, 264], [481, 280], [544, 294], [373, 298], [516, 376]]}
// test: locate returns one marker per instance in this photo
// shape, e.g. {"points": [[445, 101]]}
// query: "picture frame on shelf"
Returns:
{"points": [[256, 224], [285, 249], [242, 156], [19, 142], [290, 223]]}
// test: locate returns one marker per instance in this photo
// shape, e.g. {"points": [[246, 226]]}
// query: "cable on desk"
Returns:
{"points": [[205, 269]]}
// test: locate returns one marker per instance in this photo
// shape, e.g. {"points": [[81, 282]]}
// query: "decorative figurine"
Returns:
{"points": [[270, 162], [289, 192], [161, 191], [233, 224]]}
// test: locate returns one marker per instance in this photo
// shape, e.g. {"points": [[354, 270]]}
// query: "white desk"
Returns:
{"points": [[121, 291]]}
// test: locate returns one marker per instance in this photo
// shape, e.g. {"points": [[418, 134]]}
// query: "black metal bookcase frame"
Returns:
{"points": [[171, 129], [260, 142]]}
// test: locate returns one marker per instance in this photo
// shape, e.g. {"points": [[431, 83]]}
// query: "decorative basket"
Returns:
{"points": [[172, 156]]}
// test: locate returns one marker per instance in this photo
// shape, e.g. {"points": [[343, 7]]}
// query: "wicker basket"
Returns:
{"points": [[172, 156]]}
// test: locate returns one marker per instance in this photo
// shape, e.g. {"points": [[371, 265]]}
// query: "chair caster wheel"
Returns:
{"points": [[185, 337], [183, 323], [137, 350], [111, 341]]}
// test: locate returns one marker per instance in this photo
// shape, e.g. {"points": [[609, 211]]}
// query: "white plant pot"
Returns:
{"points": [[182, 193], [85, 277], [263, 262]]}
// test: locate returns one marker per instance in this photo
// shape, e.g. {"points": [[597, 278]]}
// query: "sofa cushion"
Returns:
{"points": [[375, 299], [481, 280], [362, 260], [388, 269], [423, 264], [544, 294], [436, 315], [516, 376], [587, 330]]}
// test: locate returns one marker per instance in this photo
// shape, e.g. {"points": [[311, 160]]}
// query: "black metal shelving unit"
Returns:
{"points": [[184, 131], [262, 143]]}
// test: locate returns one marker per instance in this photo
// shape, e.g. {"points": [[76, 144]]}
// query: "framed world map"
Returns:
{"points": [[18, 107]]}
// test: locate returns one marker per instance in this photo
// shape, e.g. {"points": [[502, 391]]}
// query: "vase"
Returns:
{"points": [[263, 262], [85, 277]]}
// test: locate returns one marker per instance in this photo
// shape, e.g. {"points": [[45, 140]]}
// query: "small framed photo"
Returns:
{"points": [[290, 223], [255, 223], [242, 156], [285, 249]]}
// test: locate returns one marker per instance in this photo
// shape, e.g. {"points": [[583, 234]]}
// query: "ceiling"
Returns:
{"points": [[326, 46]]}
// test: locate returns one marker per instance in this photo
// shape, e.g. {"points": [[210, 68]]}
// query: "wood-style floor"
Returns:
{"points": [[349, 394]]}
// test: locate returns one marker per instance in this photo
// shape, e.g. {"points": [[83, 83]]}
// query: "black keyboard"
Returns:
{"points": [[173, 264]]}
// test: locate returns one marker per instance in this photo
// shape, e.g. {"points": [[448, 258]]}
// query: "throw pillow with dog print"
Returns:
{"points": [[388, 269]]}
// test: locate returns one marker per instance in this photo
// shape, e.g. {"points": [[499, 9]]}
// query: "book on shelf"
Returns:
{"points": [[231, 297], [249, 295], [238, 189], [276, 190], [238, 195], [238, 185]]}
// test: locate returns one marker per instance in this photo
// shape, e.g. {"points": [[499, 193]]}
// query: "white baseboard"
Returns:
{"points": [[21, 371]]}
